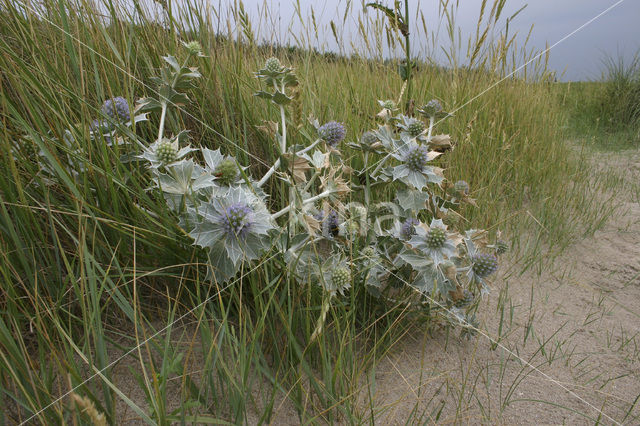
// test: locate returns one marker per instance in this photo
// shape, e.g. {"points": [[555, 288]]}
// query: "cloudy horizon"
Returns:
{"points": [[579, 57]]}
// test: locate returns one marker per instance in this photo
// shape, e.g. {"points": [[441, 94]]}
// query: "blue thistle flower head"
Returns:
{"points": [[484, 264], [117, 109], [417, 158], [368, 138], [330, 223], [237, 220], [332, 133], [408, 228], [431, 108]]}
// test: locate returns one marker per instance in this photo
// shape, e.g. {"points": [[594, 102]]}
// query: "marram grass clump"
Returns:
{"points": [[324, 216]]}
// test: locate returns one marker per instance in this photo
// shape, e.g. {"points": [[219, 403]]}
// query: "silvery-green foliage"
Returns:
{"points": [[438, 254], [277, 78], [333, 274], [412, 128], [432, 109], [181, 183], [113, 128], [413, 169], [394, 244], [232, 226], [155, 152], [223, 167], [171, 85]]}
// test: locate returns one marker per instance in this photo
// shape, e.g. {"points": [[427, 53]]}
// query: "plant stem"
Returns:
{"points": [[275, 166], [431, 120], [367, 189], [320, 196], [283, 142], [408, 52], [165, 102], [162, 118]]}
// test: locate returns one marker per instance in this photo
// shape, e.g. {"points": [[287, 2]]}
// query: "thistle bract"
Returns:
{"points": [[466, 300], [436, 238], [332, 133], [233, 226], [368, 251], [117, 109], [413, 170], [388, 104], [368, 138], [341, 278], [431, 108], [415, 127], [484, 264], [461, 187], [434, 242], [193, 47]]}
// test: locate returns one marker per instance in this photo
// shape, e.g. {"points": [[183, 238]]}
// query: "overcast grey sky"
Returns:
{"points": [[579, 57]]}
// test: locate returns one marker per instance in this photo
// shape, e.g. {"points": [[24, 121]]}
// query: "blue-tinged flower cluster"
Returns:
{"points": [[332, 133], [237, 220], [117, 109], [408, 228], [417, 159], [484, 264], [330, 223], [431, 108]]}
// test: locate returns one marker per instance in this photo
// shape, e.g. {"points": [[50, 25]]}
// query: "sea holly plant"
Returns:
{"points": [[328, 231], [113, 125]]}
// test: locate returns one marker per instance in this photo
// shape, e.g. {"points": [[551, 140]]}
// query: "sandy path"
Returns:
{"points": [[582, 336]]}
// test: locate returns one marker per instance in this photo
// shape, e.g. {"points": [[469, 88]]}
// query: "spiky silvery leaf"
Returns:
{"points": [[233, 224], [414, 170], [223, 168], [167, 151], [335, 274], [434, 242], [414, 128]]}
